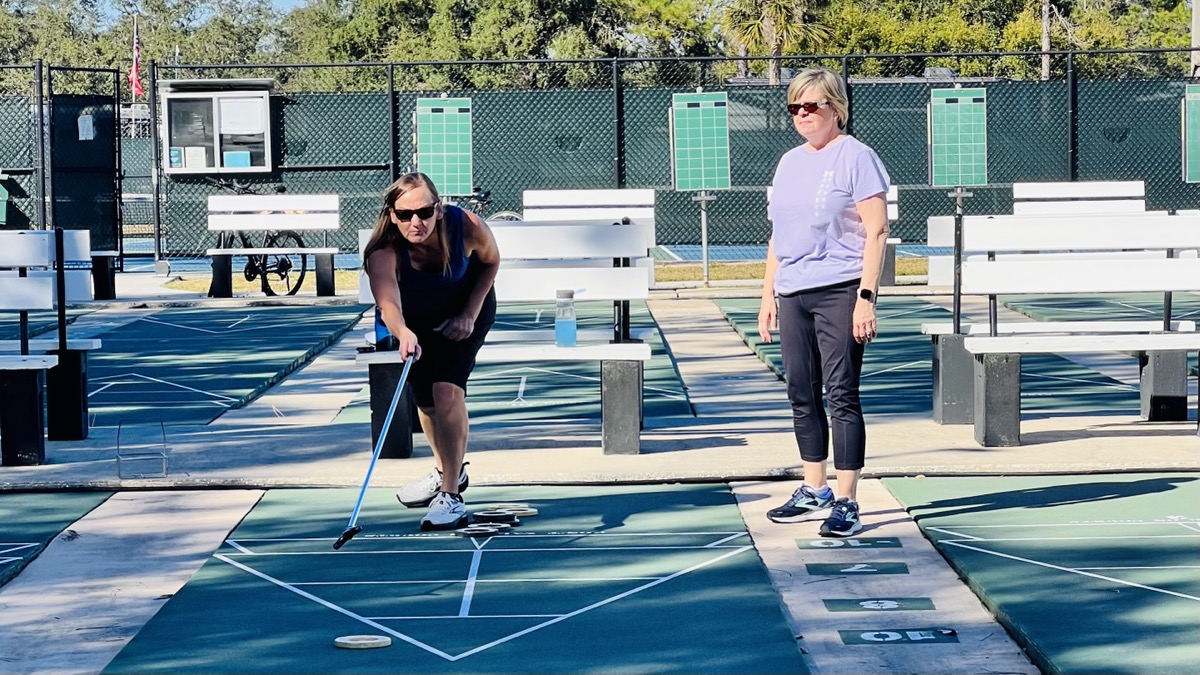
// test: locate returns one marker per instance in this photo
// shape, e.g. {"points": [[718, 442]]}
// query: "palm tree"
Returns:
{"points": [[771, 26]]}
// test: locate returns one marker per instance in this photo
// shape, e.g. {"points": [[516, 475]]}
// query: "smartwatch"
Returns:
{"points": [[866, 294]]}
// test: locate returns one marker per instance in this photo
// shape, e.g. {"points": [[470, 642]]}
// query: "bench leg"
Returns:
{"points": [[953, 381], [67, 397], [998, 400], [1164, 386], [221, 285], [888, 276], [325, 283], [22, 421], [104, 277], [620, 407], [383, 378]]}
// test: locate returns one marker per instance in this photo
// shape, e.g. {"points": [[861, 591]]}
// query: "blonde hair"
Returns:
{"points": [[825, 84], [386, 234]]}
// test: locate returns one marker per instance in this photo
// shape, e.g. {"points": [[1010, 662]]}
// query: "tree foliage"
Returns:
{"points": [[98, 33]]}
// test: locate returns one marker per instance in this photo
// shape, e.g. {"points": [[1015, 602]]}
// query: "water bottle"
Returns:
{"points": [[384, 341], [564, 319]]}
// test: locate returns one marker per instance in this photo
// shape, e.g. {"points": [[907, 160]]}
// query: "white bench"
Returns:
{"points": [[77, 252], [1016, 264], [1042, 199], [22, 375], [593, 259], [229, 215], [887, 276]]}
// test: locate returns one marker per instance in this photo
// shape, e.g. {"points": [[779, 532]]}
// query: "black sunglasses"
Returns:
{"points": [[810, 108], [424, 213]]}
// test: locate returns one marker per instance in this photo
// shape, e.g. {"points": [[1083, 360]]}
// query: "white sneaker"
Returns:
{"points": [[448, 512], [421, 491]]}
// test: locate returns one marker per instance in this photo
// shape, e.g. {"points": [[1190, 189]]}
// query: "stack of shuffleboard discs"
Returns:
{"points": [[496, 519]]}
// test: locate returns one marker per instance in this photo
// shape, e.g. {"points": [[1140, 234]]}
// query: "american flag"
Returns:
{"points": [[135, 79]]}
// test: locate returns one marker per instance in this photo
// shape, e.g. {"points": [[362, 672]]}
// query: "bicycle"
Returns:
{"points": [[479, 200], [270, 268]]}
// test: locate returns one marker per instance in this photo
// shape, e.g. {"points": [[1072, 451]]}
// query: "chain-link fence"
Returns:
{"points": [[349, 129], [20, 157]]}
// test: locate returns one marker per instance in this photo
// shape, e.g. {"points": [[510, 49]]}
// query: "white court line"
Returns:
{"points": [[532, 580], [340, 610], [903, 365], [239, 547], [674, 256], [473, 616], [10, 546], [1121, 537], [1089, 523], [1076, 380], [907, 312], [230, 329], [514, 535], [106, 386], [173, 385], [1161, 567], [8, 560], [559, 549], [555, 618], [1073, 571], [469, 590], [602, 603], [717, 543], [944, 530], [1188, 527], [520, 390], [235, 323]]}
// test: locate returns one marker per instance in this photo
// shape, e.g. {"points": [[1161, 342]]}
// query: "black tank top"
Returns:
{"points": [[429, 297]]}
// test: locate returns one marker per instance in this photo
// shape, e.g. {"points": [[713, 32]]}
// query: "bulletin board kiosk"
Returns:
{"points": [[216, 126]]}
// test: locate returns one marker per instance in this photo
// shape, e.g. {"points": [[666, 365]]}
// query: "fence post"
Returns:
{"points": [[849, 94], [161, 267], [393, 123], [40, 143], [1072, 151], [618, 125]]}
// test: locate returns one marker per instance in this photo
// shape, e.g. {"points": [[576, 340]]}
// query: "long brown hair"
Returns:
{"points": [[386, 234]]}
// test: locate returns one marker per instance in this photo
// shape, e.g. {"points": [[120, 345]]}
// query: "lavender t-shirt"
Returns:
{"points": [[819, 237]]}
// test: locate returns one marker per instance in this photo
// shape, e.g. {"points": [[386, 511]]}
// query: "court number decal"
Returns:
{"points": [[860, 542], [899, 636], [877, 604], [827, 569]]}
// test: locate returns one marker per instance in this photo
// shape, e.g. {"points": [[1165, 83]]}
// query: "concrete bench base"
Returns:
{"points": [[22, 417]]}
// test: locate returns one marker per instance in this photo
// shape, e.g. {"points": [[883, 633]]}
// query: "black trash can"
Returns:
{"points": [[104, 275]]}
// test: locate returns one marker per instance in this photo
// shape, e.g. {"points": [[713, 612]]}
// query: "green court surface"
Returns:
{"points": [[898, 369], [1090, 574], [1126, 307], [560, 391], [633, 579], [189, 365], [31, 520]]}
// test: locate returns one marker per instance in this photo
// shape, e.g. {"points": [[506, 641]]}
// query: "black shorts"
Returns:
{"points": [[446, 360]]}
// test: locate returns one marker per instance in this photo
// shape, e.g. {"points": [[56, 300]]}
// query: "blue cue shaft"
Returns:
{"points": [[387, 424]]}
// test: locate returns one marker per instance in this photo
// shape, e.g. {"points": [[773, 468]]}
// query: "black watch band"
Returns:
{"points": [[866, 294]]}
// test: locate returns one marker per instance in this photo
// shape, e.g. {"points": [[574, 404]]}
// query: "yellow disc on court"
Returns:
{"points": [[362, 641]]}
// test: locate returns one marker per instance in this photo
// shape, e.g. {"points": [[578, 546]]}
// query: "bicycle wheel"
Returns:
{"points": [[280, 275], [505, 215]]}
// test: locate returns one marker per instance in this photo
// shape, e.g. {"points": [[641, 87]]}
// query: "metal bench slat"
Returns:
{"points": [[514, 352], [26, 293], [31, 362], [271, 251], [1081, 344], [1027, 327], [1079, 276], [45, 345]]}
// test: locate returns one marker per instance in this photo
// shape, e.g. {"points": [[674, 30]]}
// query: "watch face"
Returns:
{"points": [[866, 294]]}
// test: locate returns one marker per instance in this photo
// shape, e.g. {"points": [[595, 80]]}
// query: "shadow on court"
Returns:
{"points": [[190, 365], [1090, 574], [633, 579]]}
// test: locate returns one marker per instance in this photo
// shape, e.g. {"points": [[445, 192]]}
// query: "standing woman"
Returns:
{"points": [[431, 269], [829, 225]]}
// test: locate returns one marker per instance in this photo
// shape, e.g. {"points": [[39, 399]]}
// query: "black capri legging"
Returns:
{"points": [[816, 337], [446, 360]]}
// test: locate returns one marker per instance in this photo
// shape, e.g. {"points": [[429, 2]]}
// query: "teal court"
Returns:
{"points": [[1090, 574], [646, 579], [190, 365], [31, 520], [561, 391], [898, 372]]}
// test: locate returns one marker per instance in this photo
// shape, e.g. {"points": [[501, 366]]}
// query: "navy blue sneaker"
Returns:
{"points": [[805, 502], [843, 520]]}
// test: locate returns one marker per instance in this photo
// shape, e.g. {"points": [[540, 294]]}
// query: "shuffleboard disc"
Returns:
{"points": [[362, 641]]}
